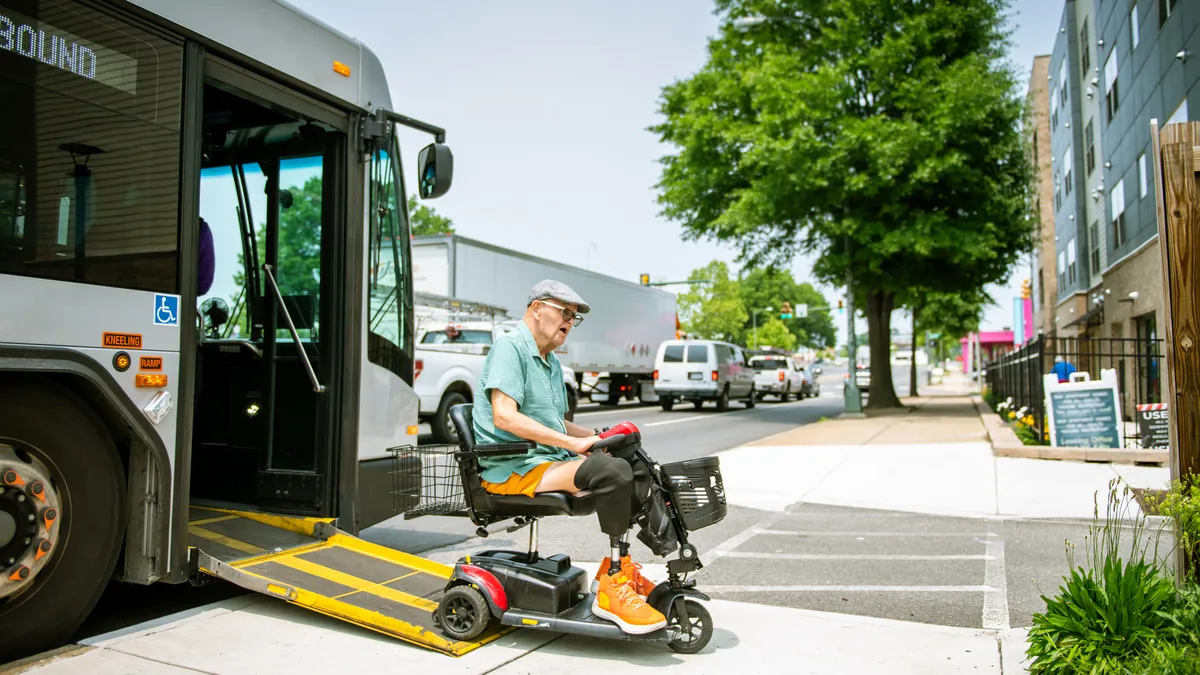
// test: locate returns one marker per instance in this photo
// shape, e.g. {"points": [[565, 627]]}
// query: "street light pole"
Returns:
{"points": [[853, 395]]}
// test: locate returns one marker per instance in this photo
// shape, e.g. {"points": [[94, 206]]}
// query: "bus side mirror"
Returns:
{"points": [[435, 170]]}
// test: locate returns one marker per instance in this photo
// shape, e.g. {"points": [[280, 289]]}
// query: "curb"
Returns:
{"points": [[1006, 444]]}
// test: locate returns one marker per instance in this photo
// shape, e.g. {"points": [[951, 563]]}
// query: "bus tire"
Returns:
{"points": [[50, 423]]}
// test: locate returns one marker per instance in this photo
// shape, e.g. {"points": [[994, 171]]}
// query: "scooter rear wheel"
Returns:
{"points": [[463, 613], [695, 636]]}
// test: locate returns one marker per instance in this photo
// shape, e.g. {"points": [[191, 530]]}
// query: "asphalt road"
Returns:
{"points": [[948, 571]]}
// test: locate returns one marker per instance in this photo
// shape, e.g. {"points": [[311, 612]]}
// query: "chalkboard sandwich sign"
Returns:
{"points": [[1084, 413]]}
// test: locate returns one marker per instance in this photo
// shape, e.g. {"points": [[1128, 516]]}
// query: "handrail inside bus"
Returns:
{"points": [[317, 386]]}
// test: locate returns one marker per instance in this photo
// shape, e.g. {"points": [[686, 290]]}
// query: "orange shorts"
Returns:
{"points": [[518, 484]]}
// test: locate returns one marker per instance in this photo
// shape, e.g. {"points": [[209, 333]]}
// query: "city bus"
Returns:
{"points": [[206, 330]]}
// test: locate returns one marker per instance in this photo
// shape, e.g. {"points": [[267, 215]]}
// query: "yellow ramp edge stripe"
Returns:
{"points": [[228, 542], [353, 543], [381, 623], [357, 583], [210, 520]]}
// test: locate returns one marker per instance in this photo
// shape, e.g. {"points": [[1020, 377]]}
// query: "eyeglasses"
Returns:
{"points": [[567, 314]]}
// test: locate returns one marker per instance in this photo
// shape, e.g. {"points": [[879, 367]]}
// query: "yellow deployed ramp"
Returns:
{"points": [[309, 562]]}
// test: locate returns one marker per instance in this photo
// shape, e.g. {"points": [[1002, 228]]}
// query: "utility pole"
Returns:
{"points": [[1177, 197], [853, 395]]}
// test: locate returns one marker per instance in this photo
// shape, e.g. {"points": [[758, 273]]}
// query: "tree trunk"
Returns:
{"points": [[912, 367], [882, 393]]}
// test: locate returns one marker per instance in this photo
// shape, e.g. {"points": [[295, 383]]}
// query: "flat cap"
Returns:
{"points": [[557, 290]]}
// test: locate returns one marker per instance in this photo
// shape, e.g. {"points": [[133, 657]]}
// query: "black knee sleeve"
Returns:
{"points": [[601, 470], [611, 481]]}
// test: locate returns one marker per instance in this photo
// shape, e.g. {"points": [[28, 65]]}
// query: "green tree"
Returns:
{"points": [[713, 310], [880, 135], [299, 268], [770, 287], [425, 220], [772, 333]]}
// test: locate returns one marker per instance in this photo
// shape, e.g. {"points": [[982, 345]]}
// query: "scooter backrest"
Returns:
{"points": [[460, 415]]}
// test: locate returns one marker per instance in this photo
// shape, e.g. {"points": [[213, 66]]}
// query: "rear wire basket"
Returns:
{"points": [[697, 491], [426, 481]]}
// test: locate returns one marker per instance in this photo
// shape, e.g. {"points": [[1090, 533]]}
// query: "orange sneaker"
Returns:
{"points": [[617, 601], [633, 570]]}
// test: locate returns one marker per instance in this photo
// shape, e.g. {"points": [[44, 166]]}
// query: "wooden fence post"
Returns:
{"points": [[1178, 200]]}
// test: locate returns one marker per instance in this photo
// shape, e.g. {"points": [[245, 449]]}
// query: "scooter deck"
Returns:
{"points": [[579, 620], [309, 562]]}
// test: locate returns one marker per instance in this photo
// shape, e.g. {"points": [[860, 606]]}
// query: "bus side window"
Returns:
{"points": [[389, 278]]}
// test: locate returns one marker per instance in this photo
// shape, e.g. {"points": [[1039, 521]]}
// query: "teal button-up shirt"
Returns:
{"points": [[516, 367]]}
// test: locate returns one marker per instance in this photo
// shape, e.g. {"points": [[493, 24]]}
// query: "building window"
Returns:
{"points": [[1111, 95], [1133, 25], [1062, 82], [1089, 136], [1067, 171], [1142, 175], [1036, 157], [1118, 213], [1054, 108], [1165, 7], [1181, 113], [1057, 192], [1085, 51], [1094, 245], [1071, 260], [1062, 272]]}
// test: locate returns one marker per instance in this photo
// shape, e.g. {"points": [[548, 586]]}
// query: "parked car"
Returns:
{"points": [[778, 376], [702, 370], [812, 383], [862, 378]]}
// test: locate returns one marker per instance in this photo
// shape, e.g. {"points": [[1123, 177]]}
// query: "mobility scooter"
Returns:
{"points": [[525, 589]]}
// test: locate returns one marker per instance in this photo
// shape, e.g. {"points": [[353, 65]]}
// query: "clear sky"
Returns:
{"points": [[546, 105]]}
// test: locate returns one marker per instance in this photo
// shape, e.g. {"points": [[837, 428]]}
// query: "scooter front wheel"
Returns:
{"points": [[695, 632], [463, 613]]}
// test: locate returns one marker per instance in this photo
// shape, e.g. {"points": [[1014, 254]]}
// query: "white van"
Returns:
{"points": [[702, 370]]}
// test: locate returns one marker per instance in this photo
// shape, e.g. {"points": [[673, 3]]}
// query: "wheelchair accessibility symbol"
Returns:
{"points": [[166, 310]]}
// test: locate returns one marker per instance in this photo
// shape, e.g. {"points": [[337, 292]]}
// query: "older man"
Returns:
{"points": [[525, 399]]}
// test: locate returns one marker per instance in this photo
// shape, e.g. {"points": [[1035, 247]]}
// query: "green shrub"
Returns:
{"points": [[1165, 659], [1113, 610], [1182, 505]]}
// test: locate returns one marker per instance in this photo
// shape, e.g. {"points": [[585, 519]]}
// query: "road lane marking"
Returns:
{"points": [[846, 589], [826, 533], [995, 602], [853, 556]]}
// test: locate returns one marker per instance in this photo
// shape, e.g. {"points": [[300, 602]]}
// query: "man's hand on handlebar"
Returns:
{"points": [[581, 446]]}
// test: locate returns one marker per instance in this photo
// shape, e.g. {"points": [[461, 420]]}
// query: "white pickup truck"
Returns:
{"points": [[448, 365], [779, 375]]}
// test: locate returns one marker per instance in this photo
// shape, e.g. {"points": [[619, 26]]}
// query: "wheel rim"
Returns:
{"points": [[694, 632], [460, 615], [30, 516]]}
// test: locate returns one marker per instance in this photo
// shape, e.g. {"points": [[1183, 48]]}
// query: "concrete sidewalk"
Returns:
{"points": [[259, 635], [933, 458]]}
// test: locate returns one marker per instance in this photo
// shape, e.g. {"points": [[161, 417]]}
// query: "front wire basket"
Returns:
{"points": [[426, 481]]}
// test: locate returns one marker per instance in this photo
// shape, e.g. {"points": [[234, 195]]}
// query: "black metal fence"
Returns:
{"points": [[1138, 362]]}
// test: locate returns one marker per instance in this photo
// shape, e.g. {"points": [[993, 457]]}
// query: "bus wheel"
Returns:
{"points": [[59, 465]]}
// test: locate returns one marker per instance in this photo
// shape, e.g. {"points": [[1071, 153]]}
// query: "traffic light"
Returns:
{"points": [[786, 311], [841, 306], [645, 279]]}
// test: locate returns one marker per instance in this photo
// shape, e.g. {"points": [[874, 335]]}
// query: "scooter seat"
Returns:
{"points": [[581, 503]]}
